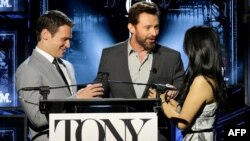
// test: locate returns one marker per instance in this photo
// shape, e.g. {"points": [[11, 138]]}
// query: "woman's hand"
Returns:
{"points": [[171, 94]]}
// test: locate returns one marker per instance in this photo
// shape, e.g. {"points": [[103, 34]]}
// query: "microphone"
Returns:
{"points": [[124, 82], [45, 90], [48, 87], [154, 70], [102, 77], [161, 87], [33, 88]]}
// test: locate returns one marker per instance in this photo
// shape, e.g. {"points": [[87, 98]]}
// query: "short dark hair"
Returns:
{"points": [[51, 20], [142, 7]]}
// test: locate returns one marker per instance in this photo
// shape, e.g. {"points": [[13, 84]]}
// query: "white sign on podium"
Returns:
{"points": [[103, 127]]}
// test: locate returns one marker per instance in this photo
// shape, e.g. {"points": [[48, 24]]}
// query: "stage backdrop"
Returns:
{"points": [[13, 37], [101, 23]]}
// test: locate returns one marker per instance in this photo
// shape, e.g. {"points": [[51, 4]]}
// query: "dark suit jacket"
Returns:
{"points": [[167, 67]]}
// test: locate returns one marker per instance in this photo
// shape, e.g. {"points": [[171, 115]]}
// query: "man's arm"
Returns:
{"points": [[27, 77]]}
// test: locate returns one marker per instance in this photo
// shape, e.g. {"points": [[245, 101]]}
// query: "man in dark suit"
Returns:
{"points": [[140, 59], [53, 30]]}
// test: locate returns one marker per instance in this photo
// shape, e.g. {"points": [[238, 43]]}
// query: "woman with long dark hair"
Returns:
{"points": [[203, 90]]}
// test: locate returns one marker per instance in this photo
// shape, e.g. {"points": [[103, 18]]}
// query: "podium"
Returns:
{"points": [[102, 119], [98, 105]]}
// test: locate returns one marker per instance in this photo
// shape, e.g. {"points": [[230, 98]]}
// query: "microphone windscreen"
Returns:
{"points": [[154, 70]]}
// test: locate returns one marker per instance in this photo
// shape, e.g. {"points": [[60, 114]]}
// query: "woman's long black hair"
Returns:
{"points": [[203, 48]]}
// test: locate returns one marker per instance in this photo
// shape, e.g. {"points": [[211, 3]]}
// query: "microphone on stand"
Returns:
{"points": [[45, 90], [161, 87], [124, 82], [48, 87], [102, 77]]}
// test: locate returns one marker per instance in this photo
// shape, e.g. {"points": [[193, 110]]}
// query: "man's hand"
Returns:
{"points": [[91, 91], [152, 93]]}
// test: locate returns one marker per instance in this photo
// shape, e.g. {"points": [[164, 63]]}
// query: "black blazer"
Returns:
{"points": [[167, 67]]}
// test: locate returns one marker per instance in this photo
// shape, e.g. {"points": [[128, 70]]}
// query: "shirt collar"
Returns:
{"points": [[130, 49], [45, 54]]}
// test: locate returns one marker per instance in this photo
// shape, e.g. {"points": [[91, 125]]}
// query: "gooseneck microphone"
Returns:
{"points": [[48, 87], [102, 78], [45, 90], [156, 86], [160, 88], [166, 86]]}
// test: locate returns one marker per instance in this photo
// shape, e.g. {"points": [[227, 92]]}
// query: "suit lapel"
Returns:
{"points": [[50, 69], [71, 74], [45, 62], [155, 66]]}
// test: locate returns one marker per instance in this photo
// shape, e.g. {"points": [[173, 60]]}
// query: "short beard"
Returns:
{"points": [[147, 47]]}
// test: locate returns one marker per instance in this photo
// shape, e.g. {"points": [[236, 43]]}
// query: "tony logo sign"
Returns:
{"points": [[103, 127]]}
